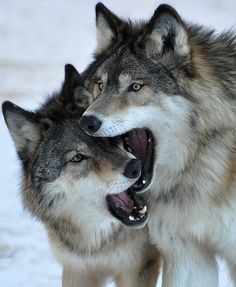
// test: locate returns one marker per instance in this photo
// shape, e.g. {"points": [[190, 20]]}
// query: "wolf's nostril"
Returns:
{"points": [[90, 124], [133, 169], [91, 128], [135, 173]]}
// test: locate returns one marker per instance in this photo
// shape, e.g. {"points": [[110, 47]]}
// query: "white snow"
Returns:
{"points": [[36, 39]]}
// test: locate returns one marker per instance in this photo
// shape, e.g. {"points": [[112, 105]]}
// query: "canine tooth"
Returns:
{"points": [[143, 181], [149, 140], [131, 218], [135, 207], [143, 211]]}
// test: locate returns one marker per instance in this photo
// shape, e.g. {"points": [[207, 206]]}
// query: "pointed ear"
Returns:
{"points": [[71, 82], [106, 23], [73, 90], [83, 98], [23, 129], [165, 32]]}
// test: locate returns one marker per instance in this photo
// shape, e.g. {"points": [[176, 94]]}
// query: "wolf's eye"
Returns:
{"points": [[100, 85], [78, 158], [135, 87]]}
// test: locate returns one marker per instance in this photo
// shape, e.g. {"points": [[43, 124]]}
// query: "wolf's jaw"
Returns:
{"points": [[128, 209], [169, 127]]}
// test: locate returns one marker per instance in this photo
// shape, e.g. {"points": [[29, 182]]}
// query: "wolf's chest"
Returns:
{"points": [[172, 225]]}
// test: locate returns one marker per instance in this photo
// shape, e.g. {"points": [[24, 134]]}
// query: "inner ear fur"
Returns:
{"points": [[165, 32], [107, 27], [23, 127], [74, 94]]}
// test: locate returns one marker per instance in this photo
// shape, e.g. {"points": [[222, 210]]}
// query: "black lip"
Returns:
{"points": [[123, 216]]}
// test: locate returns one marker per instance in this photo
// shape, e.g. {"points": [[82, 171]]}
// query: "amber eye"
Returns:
{"points": [[100, 85], [135, 87], [78, 158]]}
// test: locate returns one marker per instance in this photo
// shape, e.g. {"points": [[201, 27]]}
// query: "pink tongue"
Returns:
{"points": [[138, 143], [123, 201]]}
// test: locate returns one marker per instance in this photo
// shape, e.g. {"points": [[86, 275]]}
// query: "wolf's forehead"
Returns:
{"points": [[120, 73], [124, 79], [123, 61]]}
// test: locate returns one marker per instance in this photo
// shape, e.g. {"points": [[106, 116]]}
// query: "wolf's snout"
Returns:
{"points": [[90, 124], [133, 169]]}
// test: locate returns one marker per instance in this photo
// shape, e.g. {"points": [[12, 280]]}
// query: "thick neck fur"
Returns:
{"points": [[201, 157], [86, 241], [203, 175]]}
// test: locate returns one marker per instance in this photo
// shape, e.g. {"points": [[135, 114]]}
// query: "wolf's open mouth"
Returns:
{"points": [[128, 208], [125, 205], [139, 142]]}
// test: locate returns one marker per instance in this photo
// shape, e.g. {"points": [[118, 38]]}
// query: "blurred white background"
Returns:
{"points": [[37, 38]]}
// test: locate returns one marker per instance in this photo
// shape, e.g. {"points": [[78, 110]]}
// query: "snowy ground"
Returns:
{"points": [[37, 38]]}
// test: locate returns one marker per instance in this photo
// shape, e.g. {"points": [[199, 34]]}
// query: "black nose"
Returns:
{"points": [[133, 168], [90, 124]]}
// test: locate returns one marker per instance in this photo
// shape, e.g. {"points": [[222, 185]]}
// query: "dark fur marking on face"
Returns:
{"points": [[193, 119], [176, 193], [211, 136], [166, 196], [189, 97], [205, 139]]}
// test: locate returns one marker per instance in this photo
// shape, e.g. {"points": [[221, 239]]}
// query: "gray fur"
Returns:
{"points": [[69, 197], [188, 101]]}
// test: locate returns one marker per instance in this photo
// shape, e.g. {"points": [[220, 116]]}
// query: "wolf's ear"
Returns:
{"points": [[82, 98], [71, 82], [166, 31], [73, 90], [106, 23], [23, 129]]}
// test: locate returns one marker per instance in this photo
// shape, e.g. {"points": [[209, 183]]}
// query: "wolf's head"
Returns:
{"points": [[133, 72], [156, 76], [67, 173], [134, 81]]}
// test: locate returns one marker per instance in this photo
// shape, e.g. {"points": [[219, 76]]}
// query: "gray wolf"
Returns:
{"points": [[71, 181], [177, 81]]}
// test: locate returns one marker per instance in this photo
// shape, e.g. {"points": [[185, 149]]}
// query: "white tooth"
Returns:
{"points": [[131, 218], [126, 139], [143, 211], [149, 140], [135, 207], [129, 149], [143, 181]]}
